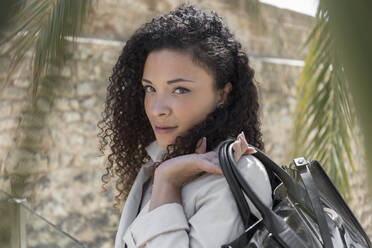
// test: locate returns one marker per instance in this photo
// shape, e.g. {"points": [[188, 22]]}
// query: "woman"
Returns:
{"points": [[181, 77]]}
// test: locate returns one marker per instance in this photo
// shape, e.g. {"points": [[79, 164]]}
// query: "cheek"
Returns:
{"points": [[146, 104], [193, 112]]}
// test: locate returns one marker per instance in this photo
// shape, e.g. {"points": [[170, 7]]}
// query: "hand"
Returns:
{"points": [[172, 174], [182, 169], [240, 147]]}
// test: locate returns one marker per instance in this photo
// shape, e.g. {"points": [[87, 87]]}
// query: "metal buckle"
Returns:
{"points": [[300, 163]]}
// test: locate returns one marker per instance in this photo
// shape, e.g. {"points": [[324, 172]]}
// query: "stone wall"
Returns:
{"points": [[49, 154], [278, 33]]}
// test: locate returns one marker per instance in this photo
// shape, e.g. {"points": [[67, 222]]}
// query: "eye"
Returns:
{"points": [[145, 87], [180, 89], [184, 90]]}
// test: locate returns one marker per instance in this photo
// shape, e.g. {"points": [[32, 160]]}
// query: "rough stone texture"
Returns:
{"points": [[280, 34], [50, 154]]}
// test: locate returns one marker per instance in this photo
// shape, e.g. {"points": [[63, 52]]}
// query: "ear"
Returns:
{"points": [[225, 92]]}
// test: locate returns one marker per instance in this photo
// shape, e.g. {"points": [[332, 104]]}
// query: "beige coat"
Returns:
{"points": [[208, 216]]}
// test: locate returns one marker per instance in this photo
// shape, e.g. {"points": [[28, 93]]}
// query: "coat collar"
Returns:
{"points": [[132, 204], [155, 151]]}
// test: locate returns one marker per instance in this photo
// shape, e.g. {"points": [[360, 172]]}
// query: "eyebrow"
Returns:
{"points": [[177, 80]]}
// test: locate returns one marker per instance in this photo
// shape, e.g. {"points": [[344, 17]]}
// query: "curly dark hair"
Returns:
{"points": [[125, 126]]}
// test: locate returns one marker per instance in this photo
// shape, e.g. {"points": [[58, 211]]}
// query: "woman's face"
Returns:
{"points": [[178, 94]]}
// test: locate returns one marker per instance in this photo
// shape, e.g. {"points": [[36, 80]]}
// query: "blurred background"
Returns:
{"points": [[311, 63]]}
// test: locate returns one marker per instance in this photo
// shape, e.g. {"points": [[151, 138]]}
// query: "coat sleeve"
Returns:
{"points": [[216, 220]]}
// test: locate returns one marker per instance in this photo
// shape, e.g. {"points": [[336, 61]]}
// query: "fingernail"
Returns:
{"points": [[243, 134]]}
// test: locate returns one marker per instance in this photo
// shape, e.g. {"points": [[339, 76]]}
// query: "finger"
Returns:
{"points": [[210, 155], [214, 159], [250, 150], [237, 148], [210, 163], [243, 135], [243, 144], [211, 168], [241, 139], [244, 140], [202, 146]]}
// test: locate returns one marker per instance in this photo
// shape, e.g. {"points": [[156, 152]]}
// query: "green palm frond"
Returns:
{"points": [[42, 27], [324, 120]]}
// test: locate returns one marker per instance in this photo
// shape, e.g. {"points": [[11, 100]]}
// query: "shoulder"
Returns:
{"points": [[250, 168], [255, 174], [211, 189]]}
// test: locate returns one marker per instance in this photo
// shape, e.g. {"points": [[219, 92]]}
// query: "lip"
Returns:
{"points": [[164, 129]]}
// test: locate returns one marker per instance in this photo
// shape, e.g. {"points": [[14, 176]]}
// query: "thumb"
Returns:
{"points": [[201, 145]]}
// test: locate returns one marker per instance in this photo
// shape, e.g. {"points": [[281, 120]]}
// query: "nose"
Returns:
{"points": [[160, 107]]}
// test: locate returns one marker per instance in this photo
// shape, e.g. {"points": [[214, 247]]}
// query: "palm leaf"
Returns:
{"points": [[324, 120], [43, 32]]}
